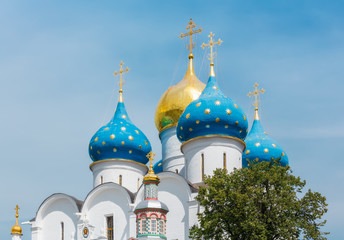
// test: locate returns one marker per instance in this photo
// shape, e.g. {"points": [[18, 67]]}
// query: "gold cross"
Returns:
{"points": [[120, 72], [190, 27], [211, 45], [17, 208], [151, 156], [255, 93]]}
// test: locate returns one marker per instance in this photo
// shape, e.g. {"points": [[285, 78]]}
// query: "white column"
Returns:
{"points": [[172, 158]]}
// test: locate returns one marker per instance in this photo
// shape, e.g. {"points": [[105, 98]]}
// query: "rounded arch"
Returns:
{"points": [[105, 201], [49, 201], [97, 191]]}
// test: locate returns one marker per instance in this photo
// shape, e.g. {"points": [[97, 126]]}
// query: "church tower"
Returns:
{"points": [[171, 105], [118, 149], [151, 213], [259, 145], [212, 129], [16, 231]]}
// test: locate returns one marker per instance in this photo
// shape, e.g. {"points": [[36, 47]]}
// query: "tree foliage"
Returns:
{"points": [[261, 202]]}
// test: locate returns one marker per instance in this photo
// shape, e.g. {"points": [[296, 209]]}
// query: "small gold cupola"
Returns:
{"points": [[174, 101], [16, 229], [150, 176]]}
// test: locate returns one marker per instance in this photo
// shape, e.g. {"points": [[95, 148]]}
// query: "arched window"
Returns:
{"points": [[143, 220], [62, 230], [177, 171], [224, 161], [153, 225], [202, 159], [101, 179], [120, 180]]}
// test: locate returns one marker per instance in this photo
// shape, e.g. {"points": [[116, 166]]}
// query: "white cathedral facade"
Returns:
{"points": [[200, 129]]}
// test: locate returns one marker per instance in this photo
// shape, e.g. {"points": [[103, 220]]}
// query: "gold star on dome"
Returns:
{"points": [[190, 28]]}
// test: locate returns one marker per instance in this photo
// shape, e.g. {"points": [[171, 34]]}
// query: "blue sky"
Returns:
{"points": [[57, 87]]}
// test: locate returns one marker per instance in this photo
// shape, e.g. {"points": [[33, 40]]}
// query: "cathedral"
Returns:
{"points": [[200, 128]]}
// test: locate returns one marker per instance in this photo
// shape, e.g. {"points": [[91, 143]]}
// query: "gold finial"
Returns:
{"points": [[151, 175], [16, 229], [190, 27], [212, 54], [151, 156], [120, 72], [17, 213], [256, 103]]}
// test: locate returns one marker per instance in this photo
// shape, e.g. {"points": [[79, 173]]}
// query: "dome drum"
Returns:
{"points": [[204, 154], [124, 172]]}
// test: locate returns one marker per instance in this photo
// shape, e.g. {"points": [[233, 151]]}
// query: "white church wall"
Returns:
{"points": [[193, 210], [56, 216], [107, 199], [112, 170], [175, 192], [213, 150], [173, 158]]}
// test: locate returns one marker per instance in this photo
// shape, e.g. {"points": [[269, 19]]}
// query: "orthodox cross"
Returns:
{"points": [[120, 72], [190, 27], [255, 93], [211, 45], [17, 208], [151, 156]]}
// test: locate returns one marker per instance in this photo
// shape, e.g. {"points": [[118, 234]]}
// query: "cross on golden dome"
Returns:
{"points": [[151, 175], [17, 213], [256, 103], [151, 156], [16, 229], [211, 45], [120, 72], [190, 27]]}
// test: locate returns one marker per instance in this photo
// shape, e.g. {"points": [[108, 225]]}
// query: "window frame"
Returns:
{"points": [[108, 229]]}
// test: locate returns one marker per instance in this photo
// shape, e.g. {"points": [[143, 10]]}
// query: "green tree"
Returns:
{"points": [[260, 202]]}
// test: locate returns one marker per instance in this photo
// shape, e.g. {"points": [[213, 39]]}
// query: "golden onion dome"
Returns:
{"points": [[16, 229], [174, 101]]}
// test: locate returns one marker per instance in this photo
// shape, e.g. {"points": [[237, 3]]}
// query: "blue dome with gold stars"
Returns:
{"points": [[261, 147], [212, 114], [120, 138]]}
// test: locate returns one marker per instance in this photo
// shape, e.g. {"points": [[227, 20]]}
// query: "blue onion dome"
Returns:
{"points": [[119, 139], [260, 146], [158, 167], [212, 114]]}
